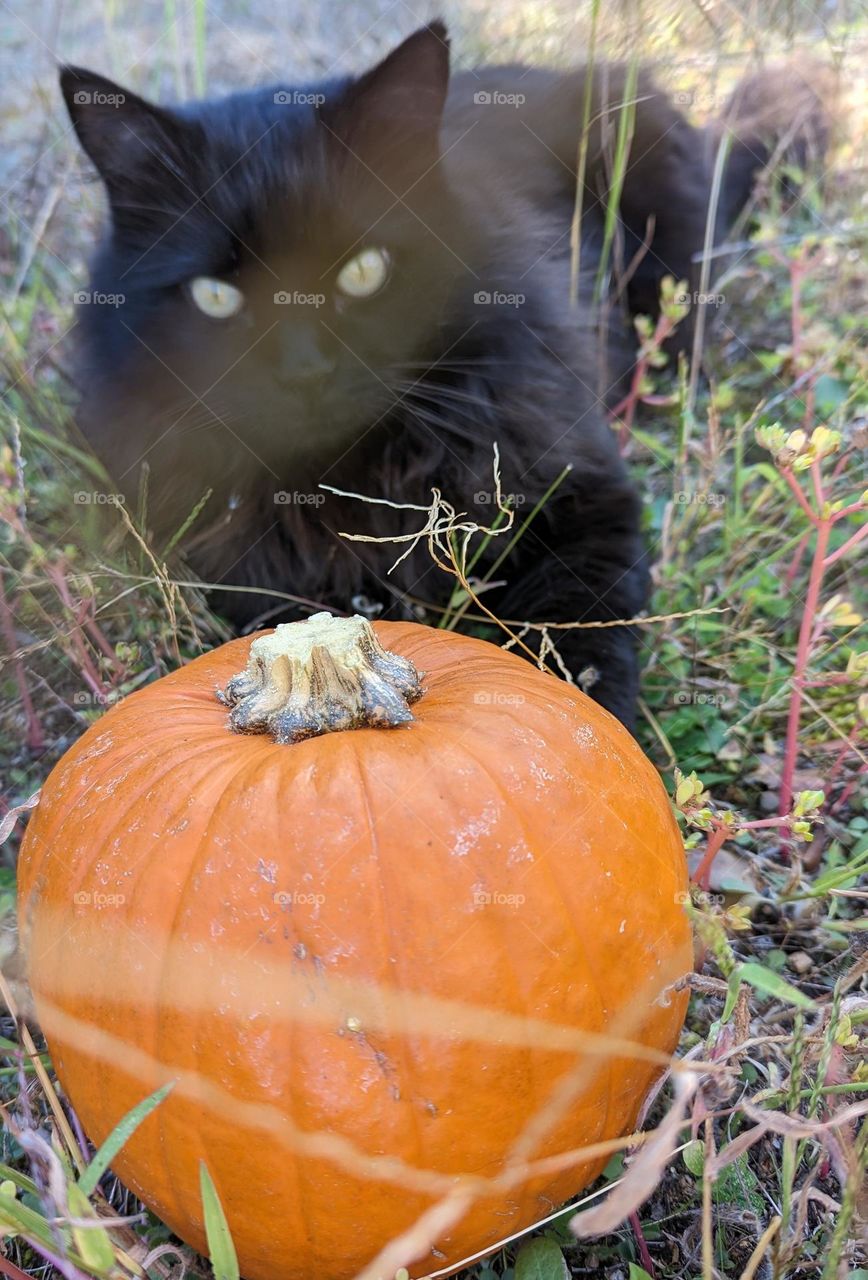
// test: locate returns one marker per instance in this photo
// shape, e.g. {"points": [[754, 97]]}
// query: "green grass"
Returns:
{"points": [[92, 614]]}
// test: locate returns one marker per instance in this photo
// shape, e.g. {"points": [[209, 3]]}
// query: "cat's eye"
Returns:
{"points": [[365, 274], [216, 298]]}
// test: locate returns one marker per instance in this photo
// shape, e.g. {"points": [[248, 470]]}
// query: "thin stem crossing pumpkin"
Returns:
{"points": [[398, 914]]}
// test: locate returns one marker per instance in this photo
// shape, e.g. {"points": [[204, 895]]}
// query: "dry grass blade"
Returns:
{"points": [[644, 1174]]}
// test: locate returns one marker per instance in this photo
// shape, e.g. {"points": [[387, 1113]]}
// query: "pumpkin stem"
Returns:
{"points": [[321, 675]]}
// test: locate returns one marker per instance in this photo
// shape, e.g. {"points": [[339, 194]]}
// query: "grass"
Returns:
{"points": [[754, 710]]}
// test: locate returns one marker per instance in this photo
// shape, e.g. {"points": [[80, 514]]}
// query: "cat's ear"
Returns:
{"points": [[132, 143], [396, 107]]}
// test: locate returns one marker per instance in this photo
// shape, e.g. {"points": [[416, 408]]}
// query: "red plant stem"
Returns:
{"points": [[88, 670], [841, 464], [716, 841], [644, 1252], [10, 1270], [842, 756], [847, 546], [95, 631], [803, 654], [817, 482], [849, 511], [797, 270], [627, 406], [720, 833], [758, 823], [799, 495], [796, 563], [119, 671], [848, 790], [829, 681], [810, 401], [34, 736]]}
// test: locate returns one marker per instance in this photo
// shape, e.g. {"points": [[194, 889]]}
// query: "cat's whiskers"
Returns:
{"points": [[197, 416], [439, 393], [440, 422], [445, 395], [468, 364], [436, 424]]}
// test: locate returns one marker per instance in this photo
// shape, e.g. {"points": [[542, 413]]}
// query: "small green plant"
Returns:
{"points": [[796, 452]]}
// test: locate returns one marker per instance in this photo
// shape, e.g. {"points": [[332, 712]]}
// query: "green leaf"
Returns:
{"points": [[637, 1273], [693, 1156], [10, 1049], [829, 394], [737, 1184], [20, 1218], [615, 1168], [93, 1243], [772, 984], [540, 1259], [776, 960], [767, 472], [121, 1133], [221, 1250], [20, 1179], [837, 877], [650, 442], [732, 989]]}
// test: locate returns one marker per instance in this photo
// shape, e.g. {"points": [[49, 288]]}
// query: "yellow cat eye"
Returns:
{"points": [[216, 298], [365, 274]]}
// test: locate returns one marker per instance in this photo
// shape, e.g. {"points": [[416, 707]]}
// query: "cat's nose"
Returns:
{"points": [[303, 359]]}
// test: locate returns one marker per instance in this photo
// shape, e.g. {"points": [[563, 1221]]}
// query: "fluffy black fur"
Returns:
{"points": [[470, 186]]}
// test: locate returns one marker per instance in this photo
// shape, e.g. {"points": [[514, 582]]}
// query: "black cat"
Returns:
{"points": [[366, 283]]}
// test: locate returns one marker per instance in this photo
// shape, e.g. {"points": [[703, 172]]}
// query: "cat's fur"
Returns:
{"points": [[409, 389]]}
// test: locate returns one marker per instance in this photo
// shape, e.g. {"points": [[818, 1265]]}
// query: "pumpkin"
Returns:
{"points": [[399, 916]]}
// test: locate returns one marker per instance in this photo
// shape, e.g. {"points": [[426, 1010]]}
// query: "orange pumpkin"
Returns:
{"points": [[401, 972]]}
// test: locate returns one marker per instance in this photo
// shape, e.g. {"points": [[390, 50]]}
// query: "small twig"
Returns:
{"points": [[803, 653], [761, 1248], [642, 1245], [707, 1187], [716, 841], [626, 408], [34, 736], [42, 1075], [846, 547]]}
